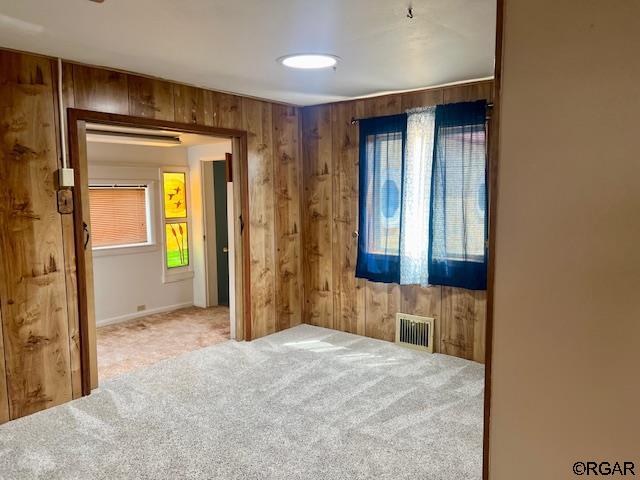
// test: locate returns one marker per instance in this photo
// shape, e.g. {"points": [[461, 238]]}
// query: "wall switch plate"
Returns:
{"points": [[65, 177]]}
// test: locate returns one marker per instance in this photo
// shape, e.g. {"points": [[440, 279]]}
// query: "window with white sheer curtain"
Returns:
{"points": [[430, 229]]}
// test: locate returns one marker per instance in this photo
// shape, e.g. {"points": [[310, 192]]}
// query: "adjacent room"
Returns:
{"points": [[157, 292], [364, 239]]}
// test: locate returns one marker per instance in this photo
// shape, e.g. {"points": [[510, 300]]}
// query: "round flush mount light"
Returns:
{"points": [[309, 61]]}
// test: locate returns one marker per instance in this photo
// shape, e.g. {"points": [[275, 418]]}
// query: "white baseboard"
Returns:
{"points": [[144, 313]]}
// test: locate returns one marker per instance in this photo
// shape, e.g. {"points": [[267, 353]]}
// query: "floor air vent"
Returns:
{"points": [[414, 332]]}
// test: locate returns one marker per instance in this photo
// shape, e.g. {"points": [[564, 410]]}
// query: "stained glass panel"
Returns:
{"points": [[175, 199], [177, 245]]}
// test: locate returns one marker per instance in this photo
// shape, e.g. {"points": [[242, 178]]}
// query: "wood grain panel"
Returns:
{"points": [[463, 319], [189, 103], [4, 397], [223, 110], [354, 299], [469, 92], [100, 90], [318, 216], [349, 292], [424, 301], [382, 300], [151, 98], [287, 216], [32, 283], [257, 121], [382, 304], [68, 243], [422, 98]]}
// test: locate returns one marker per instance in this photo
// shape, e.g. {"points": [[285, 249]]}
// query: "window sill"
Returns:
{"points": [[170, 277], [123, 250]]}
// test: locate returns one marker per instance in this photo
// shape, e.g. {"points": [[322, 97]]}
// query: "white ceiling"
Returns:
{"points": [[231, 45]]}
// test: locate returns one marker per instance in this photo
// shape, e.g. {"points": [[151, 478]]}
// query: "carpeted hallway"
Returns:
{"points": [[128, 346], [305, 403]]}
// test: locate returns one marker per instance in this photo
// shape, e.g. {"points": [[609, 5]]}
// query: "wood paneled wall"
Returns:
{"points": [[38, 302], [333, 297], [33, 296], [302, 182]]}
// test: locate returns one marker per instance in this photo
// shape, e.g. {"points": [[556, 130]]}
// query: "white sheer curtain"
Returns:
{"points": [[416, 194]]}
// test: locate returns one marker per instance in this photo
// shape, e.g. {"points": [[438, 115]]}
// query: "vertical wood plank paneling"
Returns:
{"points": [[349, 292], [4, 397], [480, 326], [422, 98], [287, 216], [68, 244], [382, 300], [151, 98], [318, 216], [189, 104], [237, 169], [469, 92], [100, 90], [463, 319], [257, 121], [223, 110], [32, 284]]}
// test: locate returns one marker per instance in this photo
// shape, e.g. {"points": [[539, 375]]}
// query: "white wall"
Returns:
{"points": [[125, 281], [196, 155]]}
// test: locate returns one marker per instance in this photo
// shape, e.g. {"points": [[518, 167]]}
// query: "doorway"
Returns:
{"points": [[218, 209], [175, 237]]}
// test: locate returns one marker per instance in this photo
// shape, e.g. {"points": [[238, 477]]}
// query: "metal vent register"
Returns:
{"points": [[414, 332]]}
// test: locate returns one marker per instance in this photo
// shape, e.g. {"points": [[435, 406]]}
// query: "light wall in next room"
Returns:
{"points": [[333, 296], [197, 155], [129, 282]]}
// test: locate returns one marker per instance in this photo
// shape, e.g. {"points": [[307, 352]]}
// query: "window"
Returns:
{"points": [[381, 160], [176, 228], [458, 228], [423, 197], [383, 197], [119, 215]]}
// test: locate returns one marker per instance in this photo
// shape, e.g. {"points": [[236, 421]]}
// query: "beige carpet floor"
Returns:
{"points": [[128, 346], [302, 404]]}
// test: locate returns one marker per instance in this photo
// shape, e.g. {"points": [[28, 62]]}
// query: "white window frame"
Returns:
{"points": [[175, 274], [128, 249]]}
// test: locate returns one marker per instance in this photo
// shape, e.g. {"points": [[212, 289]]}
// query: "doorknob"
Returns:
{"points": [[225, 249]]}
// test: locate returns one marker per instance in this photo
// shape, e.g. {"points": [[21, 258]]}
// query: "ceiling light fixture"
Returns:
{"points": [[309, 61]]}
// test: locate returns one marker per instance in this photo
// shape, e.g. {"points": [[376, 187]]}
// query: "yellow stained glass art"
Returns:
{"points": [[177, 245], [175, 198]]}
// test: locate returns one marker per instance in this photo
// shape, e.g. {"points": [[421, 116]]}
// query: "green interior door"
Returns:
{"points": [[222, 236]]}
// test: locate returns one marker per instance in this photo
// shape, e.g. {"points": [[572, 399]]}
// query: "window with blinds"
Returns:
{"points": [[118, 215]]}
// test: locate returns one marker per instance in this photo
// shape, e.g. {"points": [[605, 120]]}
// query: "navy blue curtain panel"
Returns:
{"points": [[382, 144], [458, 219]]}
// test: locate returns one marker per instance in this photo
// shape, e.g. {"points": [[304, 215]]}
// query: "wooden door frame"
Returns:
{"points": [[494, 157], [74, 117]]}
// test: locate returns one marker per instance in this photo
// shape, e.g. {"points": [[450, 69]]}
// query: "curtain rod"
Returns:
{"points": [[354, 120]]}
